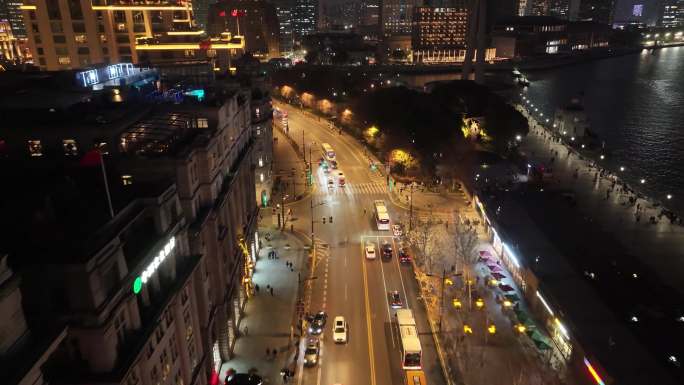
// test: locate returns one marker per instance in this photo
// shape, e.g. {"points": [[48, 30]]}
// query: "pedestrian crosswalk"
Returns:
{"points": [[354, 189]]}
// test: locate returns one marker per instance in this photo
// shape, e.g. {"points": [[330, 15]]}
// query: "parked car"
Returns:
{"points": [[396, 230]]}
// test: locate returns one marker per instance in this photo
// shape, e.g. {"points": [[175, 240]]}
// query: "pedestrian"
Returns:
{"points": [[268, 287], [292, 269], [268, 352], [246, 331], [256, 287], [271, 291]]}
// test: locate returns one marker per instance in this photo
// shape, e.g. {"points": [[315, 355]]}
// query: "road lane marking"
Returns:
{"points": [[382, 272], [346, 297], [371, 354], [401, 279]]}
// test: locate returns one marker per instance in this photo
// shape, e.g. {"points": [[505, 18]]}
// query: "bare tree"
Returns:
{"points": [[463, 241]]}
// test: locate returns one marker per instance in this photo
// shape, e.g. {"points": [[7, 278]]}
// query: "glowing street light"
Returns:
{"points": [[669, 196], [467, 329], [622, 168], [520, 328], [518, 138], [603, 157], [642, 181], [573, 138], [582, 145], [547, 120], [492, 329]]}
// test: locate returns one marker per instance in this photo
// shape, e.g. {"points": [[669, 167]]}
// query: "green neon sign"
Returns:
{"points": [[137, 285]]}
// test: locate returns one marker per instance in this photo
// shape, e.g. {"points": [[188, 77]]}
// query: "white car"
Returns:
{"points": [[340, 330], [396, 229], [370, 251]]}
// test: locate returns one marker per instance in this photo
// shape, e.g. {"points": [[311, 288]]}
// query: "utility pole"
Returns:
{"points": [[441, 302], [411, 208]]}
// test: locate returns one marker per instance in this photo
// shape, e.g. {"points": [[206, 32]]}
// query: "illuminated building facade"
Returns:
{"points": [[12, 49], [439, 34], [66, 34], [256, 20], [304, 19], [669, 15], [10, 10], [284, 13], [152, 293], [396, 16]]}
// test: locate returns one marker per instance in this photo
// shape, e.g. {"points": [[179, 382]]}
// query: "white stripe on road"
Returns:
{"points": [[382, 272]]}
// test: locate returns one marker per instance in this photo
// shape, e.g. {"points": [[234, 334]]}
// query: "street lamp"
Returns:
{"points": [[642, 181], [518, 138], [622, 168], [669, 196], [602, 156]]}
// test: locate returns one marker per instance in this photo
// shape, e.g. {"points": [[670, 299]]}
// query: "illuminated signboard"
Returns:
{"points": [[154, 265], [593, 372]]}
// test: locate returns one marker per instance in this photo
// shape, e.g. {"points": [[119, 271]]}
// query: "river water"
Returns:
{"points": [[636, 104]]}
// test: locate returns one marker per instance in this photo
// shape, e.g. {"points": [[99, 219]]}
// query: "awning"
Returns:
{"points": [[494, 268], [498, 276], [505, 287]]}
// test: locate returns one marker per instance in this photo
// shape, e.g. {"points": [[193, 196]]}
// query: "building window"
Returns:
{"points": [[82, 39], [185, 294], [56, 27], [174, 348], [154, 375], [70, 148], [35, 148], [64, 60], [159, 333], [121, 27], [261, 162], [150, 349], [127, 180], [83, 50], [59, 39], [202, 123]]}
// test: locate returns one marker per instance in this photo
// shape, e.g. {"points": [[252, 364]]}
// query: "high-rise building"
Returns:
{"points": [[370, 13], [256, 20], [396, 16], [598, 11], [284, 13], [439, 34], [304, 19], [10, 10], [559, 9], [65, 34], [669, 14], [12, 49]]}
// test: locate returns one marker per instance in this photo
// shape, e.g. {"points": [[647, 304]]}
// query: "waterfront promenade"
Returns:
{"points": [[657, 245]]}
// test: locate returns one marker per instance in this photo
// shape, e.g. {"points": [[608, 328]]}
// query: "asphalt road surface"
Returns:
{"points": [[346, 283]]}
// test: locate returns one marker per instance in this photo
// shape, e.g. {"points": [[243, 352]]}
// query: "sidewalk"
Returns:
{"points": [[631, 218], [505, 357], [267, 317], [285, 159], [428, 202]]}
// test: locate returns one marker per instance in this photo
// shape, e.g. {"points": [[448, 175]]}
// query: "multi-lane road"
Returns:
{"points": [[346, 283]]}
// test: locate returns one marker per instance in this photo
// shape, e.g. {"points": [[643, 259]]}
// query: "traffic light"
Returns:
{"points": [[331, 219]]}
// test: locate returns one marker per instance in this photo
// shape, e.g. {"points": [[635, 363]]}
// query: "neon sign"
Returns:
{"points": [[154, 265], [593, 372]]}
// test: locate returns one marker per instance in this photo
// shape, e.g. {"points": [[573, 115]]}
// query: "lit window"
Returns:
{"points": [[64, 60], [70, 148], [121, 27], [127, 180], [261, 162], [35, 148], [81, 39], [261, 177], [202, 123]]}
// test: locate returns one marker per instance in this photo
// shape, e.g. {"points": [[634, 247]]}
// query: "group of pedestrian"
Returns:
{"points": [[271, 354], [290, 265], [272, 254], [622, 189]]}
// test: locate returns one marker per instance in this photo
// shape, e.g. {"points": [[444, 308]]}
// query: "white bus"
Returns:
{"points": [[328, 152], [411, 353], [382, 218]]}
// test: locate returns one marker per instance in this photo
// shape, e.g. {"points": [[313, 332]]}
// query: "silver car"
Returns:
{"points": [[312, 351]]}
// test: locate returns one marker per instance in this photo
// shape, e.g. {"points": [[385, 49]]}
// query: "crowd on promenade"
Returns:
{"points": [[643, 207]]}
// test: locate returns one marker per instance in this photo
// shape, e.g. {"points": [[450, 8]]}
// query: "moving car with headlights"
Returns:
{"points": [[317, 322], [394, 300], [340, 178], [370, 251], [340, 330], [387, 250], [312, 351]]}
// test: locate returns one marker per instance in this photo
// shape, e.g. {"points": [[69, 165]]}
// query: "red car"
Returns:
{"points": [[404, 256]]}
